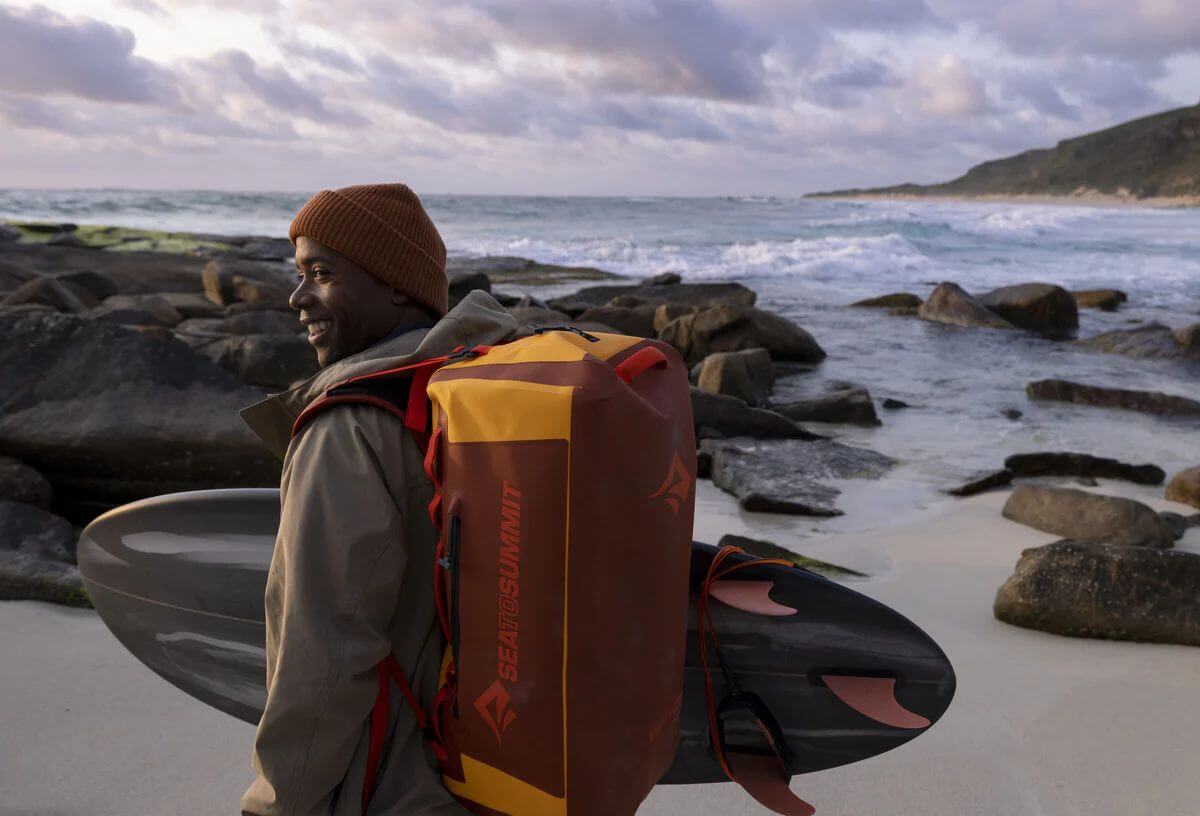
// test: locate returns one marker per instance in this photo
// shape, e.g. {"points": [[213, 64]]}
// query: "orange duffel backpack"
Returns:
{"points": [[564, 470]]}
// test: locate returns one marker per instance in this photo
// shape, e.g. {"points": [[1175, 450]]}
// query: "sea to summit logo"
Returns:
{"points": [[676, 486], [492, 705]]}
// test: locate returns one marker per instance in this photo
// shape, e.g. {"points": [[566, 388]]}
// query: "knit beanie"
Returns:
{"points": [[384, 229]]}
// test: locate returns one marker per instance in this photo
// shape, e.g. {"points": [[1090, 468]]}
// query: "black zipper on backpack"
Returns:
{"points": [[455, 538]]}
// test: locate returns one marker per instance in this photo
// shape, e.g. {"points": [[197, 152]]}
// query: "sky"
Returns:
{"points": [[567, 97]]}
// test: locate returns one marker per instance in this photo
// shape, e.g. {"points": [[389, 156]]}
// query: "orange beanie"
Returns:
{"points": [[384, 229]]}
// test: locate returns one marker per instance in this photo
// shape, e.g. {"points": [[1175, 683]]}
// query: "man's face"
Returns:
{"points": [[344, 307]]}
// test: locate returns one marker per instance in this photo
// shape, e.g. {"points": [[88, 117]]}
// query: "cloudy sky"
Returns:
{"points": [[666, 97]]}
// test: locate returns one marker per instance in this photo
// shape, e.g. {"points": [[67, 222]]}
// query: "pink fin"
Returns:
{"points": [[750, 596], [874, 697], [761, 777]]}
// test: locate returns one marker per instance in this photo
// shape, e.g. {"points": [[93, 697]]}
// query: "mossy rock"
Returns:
{"points": [[120, 239]]}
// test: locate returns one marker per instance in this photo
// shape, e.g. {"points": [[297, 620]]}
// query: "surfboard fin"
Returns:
{"points": [[874, 697], [750, 596], [760, 777]]}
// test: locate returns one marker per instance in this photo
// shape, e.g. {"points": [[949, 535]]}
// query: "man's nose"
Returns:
{"points": [[301, 296]]}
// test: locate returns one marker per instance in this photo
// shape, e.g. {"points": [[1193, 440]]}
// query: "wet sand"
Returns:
{"points": [[1041, 724]]}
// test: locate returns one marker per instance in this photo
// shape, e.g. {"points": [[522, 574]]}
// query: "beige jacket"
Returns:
{"points": [[350, 581]]}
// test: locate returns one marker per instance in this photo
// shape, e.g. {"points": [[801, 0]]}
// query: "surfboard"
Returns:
{"points": [[179, 580]]}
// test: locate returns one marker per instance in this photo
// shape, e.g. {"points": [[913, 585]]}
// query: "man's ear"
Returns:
{"points": [[399, 298]]}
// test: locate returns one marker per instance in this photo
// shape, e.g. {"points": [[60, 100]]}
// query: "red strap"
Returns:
{"points": [[378, 730], [640, 362]]}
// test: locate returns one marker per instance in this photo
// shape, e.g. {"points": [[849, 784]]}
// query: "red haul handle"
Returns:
{"points": [[638, 363]]}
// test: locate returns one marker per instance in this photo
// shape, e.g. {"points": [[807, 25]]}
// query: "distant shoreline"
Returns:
{"points": [[1081, 200]]}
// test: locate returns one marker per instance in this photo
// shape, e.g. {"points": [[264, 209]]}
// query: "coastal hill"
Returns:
{"points": [[1155, 157]]}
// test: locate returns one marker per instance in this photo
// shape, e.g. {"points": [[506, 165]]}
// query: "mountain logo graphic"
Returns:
{"points": [[492, 705], [676, 486]]}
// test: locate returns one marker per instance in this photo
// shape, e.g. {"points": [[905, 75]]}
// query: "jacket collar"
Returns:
{"points": [[478, 319]]}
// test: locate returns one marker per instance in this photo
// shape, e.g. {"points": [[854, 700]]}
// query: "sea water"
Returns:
{"points": [[808, 259]]}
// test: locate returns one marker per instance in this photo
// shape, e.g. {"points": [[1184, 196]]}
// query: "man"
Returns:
{"points": [[351, 580]]}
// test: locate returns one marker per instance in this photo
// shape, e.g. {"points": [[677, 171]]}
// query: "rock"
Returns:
{"points": [[9, 233], [848, 405], [1151, 341], [896, 300], [47, 227], [37, 556], [21, 483], [93, 283], [264, 322], [508, 269], [1185, 487], [132, 272], [1147, 402], [257, 248], [463, 282], [983, 483], [690, 294], [506, 300], [1012, 414], [1188, 339], [637, 321], [1089, 517], [1107, 300], [733, 417], [191, 305], [664, 313], [246, 307], [730, 327], [1089, 590], [1179, 524], [663, 279], [532, 315], [1040, 307], [67, 239], [950, 304], [227, 280], [270, 360], [786, 476], [137, 310], [704, 464], [748, 375], [768, 549], [904, 311], [56, 294], [895, 404], [109, 416], [1081, 464]]}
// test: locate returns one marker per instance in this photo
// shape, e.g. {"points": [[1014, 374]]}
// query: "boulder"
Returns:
{"points": [[849, 405], [463, 282], [191, 305], [1184, 487], [637, 321], [788, 476], [769, 549], [508, 269], [109, 416], [21, 483], [259, 248], [691, 294], [133, 272], [93, 283], [1089, 517], [664, 313], [1151, 341], [896, 300], [730, 327], [950, 304], [1090, 590], [748, 375], [662, 279], [270, 360], [895, 404], [9, 233], [47, 291], [1012, 414], [137, 310], [983, 483], [263, 322], [1188, 339], [1107, 300], [1084, 465], [1146, 402], [37, 556], [730, 416], [1040, 307], [228, 280]]}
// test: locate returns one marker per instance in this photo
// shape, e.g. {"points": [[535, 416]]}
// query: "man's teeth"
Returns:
{"points": [[317, 326]]}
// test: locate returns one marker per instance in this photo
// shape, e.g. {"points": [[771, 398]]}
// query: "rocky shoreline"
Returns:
{"points": [[129, 352]]}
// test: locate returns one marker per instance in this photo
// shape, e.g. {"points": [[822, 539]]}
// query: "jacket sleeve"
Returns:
{"points": [[331, 593]]}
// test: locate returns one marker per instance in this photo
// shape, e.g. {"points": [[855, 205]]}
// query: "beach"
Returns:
{"points": [[1041, 724]]}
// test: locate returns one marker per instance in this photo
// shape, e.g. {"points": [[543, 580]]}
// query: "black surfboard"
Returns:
{"points": [[179, 580]]}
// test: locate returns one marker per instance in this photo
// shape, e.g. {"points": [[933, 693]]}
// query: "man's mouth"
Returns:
{"points": [[317, 329]]}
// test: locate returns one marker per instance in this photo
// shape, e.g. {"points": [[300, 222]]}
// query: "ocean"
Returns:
{"points": [[808, 259]]}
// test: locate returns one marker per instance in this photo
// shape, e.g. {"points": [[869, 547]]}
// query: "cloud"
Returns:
{"points": [[845, 83], [43, 52], [280, 90], [947, 86]]}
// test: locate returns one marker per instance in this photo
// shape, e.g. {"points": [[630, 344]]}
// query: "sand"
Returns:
{"points": [[1041, 725]]}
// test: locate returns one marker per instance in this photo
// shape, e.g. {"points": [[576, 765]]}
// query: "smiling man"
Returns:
{"points": [[351, 579]]}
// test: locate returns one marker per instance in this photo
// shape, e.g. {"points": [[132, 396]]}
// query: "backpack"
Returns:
{"points": [[563, 467]]}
